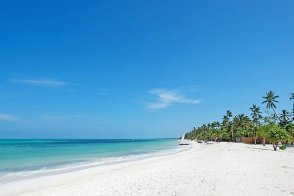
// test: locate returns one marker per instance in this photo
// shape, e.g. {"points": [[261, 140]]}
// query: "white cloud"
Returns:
{"points": [[44, 82], [163, 98], [54, 118], [7, 117]]}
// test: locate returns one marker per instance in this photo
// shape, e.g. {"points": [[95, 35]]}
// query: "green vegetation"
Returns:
{"points": [[256, 118], [262, 133], [283, 147], [271, 127], [276, 134]]}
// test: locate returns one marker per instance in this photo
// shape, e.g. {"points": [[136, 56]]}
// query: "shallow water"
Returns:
{"points": [[24, 158]]}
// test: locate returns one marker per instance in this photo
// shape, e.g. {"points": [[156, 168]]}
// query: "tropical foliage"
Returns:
{"points": [[256, 117], [277, 134], [269, 126]]}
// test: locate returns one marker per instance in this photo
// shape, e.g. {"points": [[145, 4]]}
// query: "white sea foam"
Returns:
{"points": [[6, 177]]}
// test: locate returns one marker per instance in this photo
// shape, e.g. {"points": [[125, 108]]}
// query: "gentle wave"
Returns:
{"points": [[78, 164]]}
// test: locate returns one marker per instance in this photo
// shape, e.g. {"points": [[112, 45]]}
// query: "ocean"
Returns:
{"points": [[21, 159]]}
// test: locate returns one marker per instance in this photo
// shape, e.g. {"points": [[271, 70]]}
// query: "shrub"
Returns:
{"points": [[283, 147], [276, 134]]}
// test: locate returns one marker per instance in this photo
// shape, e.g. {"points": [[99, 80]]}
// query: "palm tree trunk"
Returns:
{"points": [[263, 141], [275, 147], [276, 114], [255, 139]]}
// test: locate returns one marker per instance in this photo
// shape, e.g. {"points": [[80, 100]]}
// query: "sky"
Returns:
{"points": [[139, 69]]}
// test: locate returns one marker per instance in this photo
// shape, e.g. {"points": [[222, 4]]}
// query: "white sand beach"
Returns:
{"points": [[215, 169]]}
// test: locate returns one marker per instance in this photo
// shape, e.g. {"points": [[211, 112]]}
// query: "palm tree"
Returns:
{"points": [[229, 115], [292, 98], [241, 124], [256, 116], [270, 100], [225, 133], [225, 120], [216, 134], [284, 118]]}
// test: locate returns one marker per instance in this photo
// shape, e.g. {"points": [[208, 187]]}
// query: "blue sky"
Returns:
{"points": [[138, 69]]}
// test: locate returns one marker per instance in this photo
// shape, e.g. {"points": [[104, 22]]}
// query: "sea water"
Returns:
{"points": [[26, 158]]}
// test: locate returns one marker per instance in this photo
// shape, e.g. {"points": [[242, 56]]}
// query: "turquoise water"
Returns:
{"points": [[20, 158]]}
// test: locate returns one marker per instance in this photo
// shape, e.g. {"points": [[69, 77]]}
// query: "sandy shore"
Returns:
{"points": [[216, 169]]}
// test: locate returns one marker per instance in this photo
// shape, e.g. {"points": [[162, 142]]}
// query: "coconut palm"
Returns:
{"points": [[241, 125], [271, 100], [256, 117], [290, 129], [216, 134], [225, 132], [292, 98], [229, 115], [284, 118], [225, 121]]}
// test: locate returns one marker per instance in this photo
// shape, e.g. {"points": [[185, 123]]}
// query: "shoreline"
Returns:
{"points": [[217, 169], [77, 166]]}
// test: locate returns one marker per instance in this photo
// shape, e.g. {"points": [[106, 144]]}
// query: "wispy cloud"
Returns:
{"points": [[54, 118], [7, 117], [45, 82], [163, 98]]}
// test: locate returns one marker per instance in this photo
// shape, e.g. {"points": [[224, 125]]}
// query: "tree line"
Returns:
{"points": [[263, 127]]}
